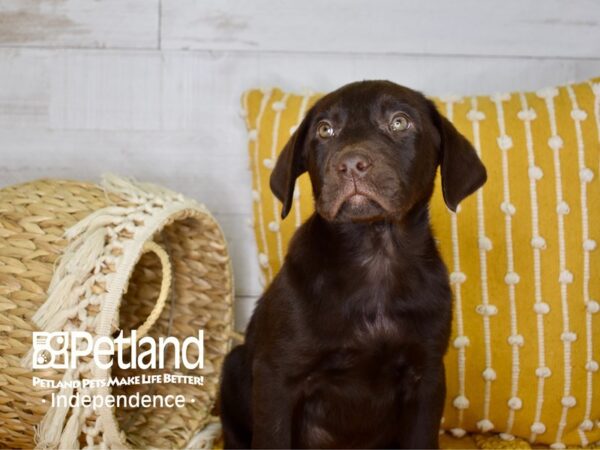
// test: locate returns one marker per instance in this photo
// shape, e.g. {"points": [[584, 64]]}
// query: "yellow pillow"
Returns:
{"points": [[522, 255]]}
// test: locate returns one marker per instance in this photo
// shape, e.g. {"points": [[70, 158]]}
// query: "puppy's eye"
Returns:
{"points": [[325, 130], [400, 122]]}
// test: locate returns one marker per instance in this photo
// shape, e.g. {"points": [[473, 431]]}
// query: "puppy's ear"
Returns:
{"points": [[462, 170], [290, 165]]}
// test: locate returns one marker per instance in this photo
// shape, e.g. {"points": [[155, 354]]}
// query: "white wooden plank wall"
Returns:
{"points": [[151, 88]]}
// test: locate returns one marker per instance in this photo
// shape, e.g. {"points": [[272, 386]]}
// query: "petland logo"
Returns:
{"points": [[62, 350]]}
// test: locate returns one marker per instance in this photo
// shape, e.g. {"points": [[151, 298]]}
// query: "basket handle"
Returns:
{"points": [[167, 278]]}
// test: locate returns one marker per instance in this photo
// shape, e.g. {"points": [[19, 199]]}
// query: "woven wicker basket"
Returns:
{"points": [[76, 256]]}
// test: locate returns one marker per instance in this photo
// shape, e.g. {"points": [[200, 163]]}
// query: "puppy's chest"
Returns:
{"points": [[377, 357], [374, 323], [376, 305], [380, 265], [369, 339]]}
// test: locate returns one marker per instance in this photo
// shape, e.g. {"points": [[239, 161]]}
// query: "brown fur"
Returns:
{"points": [[346, 346]]}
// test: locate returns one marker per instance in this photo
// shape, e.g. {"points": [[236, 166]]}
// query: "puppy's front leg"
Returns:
{"points": [[271, 408], [421, 422]]}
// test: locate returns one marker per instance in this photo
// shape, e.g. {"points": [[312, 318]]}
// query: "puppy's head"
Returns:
{"points": [[372, 149]]}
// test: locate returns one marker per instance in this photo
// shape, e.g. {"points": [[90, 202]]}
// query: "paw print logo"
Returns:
{"points": [[43, 358], [50, 350]]}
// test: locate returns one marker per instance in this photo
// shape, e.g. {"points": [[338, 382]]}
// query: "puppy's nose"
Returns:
{"points": [[354, 165]]}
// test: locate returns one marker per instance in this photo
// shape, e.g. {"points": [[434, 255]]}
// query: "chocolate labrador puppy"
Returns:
{"points": [[345, 348]]}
